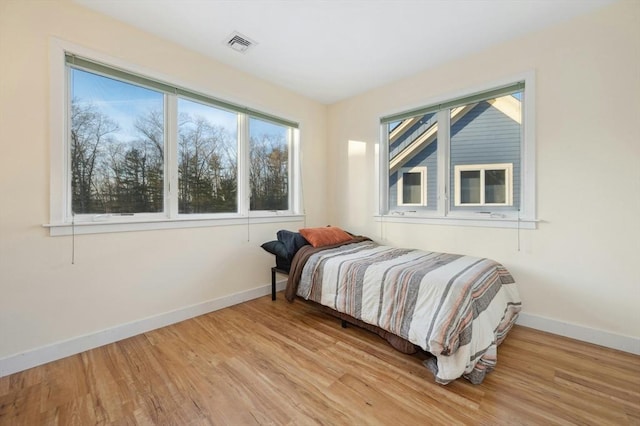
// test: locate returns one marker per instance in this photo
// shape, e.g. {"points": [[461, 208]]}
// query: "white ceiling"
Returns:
{"points": [[329, 50]]}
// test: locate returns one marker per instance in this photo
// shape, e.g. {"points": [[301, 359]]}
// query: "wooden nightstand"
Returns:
{"points": [[275, 270]]}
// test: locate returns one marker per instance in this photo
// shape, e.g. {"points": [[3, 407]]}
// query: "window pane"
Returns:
{"points": [[207, 159], [488, 132], [495, 186], [413, 142], [411, 188], [269, 165], [470, 187], [117, 146]]}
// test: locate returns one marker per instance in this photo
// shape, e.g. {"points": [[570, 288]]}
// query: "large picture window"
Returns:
{"points": [[478, 152], [138, 149]]}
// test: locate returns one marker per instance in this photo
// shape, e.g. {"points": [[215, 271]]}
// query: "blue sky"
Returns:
{"points": [[124, 102]]}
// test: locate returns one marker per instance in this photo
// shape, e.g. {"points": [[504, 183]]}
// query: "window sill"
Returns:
{"points": [[60, 229], [467, 220]]}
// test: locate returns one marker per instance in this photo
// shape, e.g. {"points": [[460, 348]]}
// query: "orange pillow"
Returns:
{"points": [[320, 237]]}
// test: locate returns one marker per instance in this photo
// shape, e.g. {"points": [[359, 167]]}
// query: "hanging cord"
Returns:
{"points": [[304, 211], [73, 238], [518, 229], [301, 180], [379, 188], [377, 155], [249, 221]]}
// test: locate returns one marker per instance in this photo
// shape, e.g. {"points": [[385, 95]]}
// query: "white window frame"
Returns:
{"points": [[482, 168], [525, 217], [61, 219], [423, 186]]}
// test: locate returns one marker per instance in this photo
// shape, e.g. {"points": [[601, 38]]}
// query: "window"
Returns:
{"points": [[464, 160], [135, 149], [207, 158], [412, 186], [116, 147], [413, 151], [484, 185], [269, 158]]}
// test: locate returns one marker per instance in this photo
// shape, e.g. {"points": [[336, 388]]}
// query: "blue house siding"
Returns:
{"points": [[412, 134], [485, 135], [426, 157]]}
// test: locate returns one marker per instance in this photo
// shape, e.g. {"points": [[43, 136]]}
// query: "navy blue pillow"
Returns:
{"points": [[292, 241], [276, 247]]}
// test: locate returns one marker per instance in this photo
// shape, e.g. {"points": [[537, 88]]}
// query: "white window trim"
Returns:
{"points": [[482, 168], [423, 186], [61, 222], [524, 218]]}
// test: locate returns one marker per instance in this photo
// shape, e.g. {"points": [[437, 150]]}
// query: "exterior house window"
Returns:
{"points": [[466, 160], [134, 149], [484, 185], [412, 186]]}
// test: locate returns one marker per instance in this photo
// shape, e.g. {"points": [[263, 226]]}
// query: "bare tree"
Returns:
{"points": [[268, 173], [114, 176], [89, 131], [110, 175], [207, 170]]}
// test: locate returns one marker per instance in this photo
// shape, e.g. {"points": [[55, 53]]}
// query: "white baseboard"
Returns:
{"points": [[42, 355], [578, 332]]}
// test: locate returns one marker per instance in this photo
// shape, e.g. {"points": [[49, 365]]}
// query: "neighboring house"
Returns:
{"points": [[484, 154]]}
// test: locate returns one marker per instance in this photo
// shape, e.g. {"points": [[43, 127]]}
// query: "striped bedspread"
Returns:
{"points": [[459, 308]]}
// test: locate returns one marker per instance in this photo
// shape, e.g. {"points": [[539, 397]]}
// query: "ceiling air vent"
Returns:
{"points": [[239, 42]]}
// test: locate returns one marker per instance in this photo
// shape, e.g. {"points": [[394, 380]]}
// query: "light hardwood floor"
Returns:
{"points": [[264, 362]]}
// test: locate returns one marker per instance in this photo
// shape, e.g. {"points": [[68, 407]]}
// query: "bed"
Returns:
{"points": [[458, 308]]}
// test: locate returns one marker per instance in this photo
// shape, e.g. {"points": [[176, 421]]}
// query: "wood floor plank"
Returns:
{"points": [[280, 363], [22, 407]]}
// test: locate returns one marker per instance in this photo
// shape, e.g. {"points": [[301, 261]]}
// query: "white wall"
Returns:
{"points": [[580, 267], [121, 277]]}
